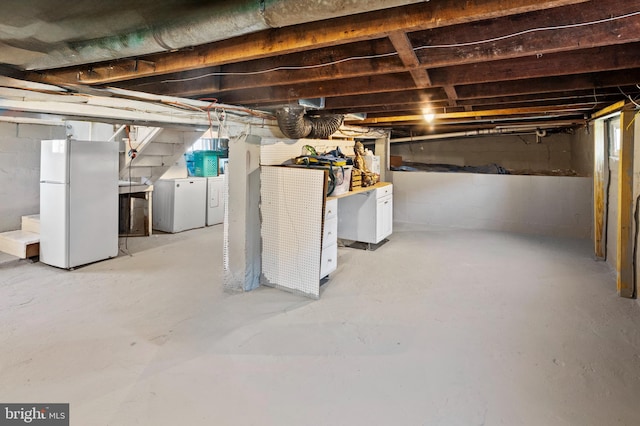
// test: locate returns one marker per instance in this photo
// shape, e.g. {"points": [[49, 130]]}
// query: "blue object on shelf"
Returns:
{"points": [[191, 166]]}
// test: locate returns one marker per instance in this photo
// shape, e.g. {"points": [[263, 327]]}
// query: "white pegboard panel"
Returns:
{"points": [[292, 202], [225, 240], [273, 154]]}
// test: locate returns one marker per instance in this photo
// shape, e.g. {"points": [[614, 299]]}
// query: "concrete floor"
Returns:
{"points": [[434, 328]]}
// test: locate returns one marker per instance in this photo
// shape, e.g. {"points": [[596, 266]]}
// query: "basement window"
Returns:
{"points": [[614, 136]]}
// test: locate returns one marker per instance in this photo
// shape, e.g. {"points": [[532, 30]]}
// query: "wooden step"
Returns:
{"points": [[31, 223], [22, 244]]}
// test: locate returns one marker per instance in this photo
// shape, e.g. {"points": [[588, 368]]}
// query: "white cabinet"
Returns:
{"points": [[329, 257], [299, 229], [367, 216]]}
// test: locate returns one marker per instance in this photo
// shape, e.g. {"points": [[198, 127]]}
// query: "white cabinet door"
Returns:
{"points": [[384, 218], [215, 200]]}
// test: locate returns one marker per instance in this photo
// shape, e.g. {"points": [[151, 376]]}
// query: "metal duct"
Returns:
{"points": [[213, 21], [295, 124]]}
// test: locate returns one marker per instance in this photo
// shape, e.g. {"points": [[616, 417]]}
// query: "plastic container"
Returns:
{"points": [[205, 163], [343, 179], [191, 166]]}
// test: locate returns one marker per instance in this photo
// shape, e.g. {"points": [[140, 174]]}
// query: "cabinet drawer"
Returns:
{"points": [[331, 209], [384, 191], [330, 234], [329, 260]]}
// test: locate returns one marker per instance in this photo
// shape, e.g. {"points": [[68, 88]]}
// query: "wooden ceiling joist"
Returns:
{"points": [[242, 76], [408, 57], [555, 64], [479, 114], [287, 40], [466, 46], [547, 84], [351, 86]]}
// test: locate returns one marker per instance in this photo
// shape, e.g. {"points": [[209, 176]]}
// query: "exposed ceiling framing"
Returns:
{"points": [[474, 64]]}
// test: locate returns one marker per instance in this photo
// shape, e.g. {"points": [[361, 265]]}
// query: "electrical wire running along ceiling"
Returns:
{"points": [[417, 67]]}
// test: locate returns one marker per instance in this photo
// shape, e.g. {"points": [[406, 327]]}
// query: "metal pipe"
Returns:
{"points": [[482, 132]]}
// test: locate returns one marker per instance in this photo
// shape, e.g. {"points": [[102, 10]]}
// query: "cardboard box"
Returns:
{"points": [[395, 160]]}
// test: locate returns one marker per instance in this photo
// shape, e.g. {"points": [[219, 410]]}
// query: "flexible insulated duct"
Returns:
{"points": [[295, 124], [122, 29]]}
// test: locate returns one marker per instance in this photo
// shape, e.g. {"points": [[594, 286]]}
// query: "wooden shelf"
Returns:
{"points": [[361, 190]]}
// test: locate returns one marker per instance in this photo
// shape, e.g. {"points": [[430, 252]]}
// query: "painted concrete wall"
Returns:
{"points": [[242, 251], [509, 151], [547, 205], [582, 152], [20, 170]]}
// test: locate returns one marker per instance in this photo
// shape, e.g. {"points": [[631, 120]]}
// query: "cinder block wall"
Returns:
{"points": [[20, 170]]}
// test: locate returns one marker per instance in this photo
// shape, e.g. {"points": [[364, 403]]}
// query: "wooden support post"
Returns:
{"points": [[383, 149], [626, 205], [600, 178]]}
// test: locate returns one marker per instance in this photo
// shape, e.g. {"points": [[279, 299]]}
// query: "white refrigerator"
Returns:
{"points": [[78, 202]]}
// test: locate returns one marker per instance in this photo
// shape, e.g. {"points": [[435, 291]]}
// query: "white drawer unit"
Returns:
{"points": [[329, 260], [330, 208], [367, 216], [329, 257], [299, 229], [330, 232]]}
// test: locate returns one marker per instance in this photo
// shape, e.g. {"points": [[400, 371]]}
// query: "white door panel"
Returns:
{"points": [[54, 211]]}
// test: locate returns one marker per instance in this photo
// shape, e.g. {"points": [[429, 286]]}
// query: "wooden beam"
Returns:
{"points": [[414, 96], [303, 37], [417, 99], [600, 178], [351, 86], [626, 206], [505, 72], [386, 110], [408, 57], [609, 110], [255, 73], [550, 98], [240, 77], [617, 32], [529, 43], [525, 69], [535, 86], [557, 64], [452, 95], [478, 114]]}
